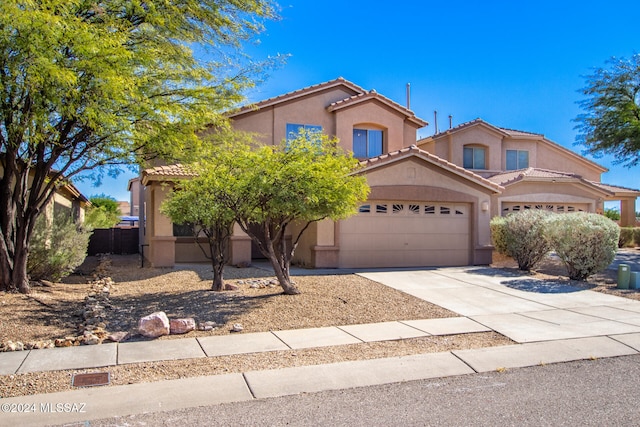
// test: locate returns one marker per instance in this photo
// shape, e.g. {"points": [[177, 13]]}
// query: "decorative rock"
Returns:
{"points": [[207, 326], [118, 336], [237, 327], [62, 342], [90, 339], [154, 325], [230, 287], [182, 326]]}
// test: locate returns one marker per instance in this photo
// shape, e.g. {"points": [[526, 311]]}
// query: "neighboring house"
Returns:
{"points": [[536, 173], [430, 204], [69, 201], [66, 200]]}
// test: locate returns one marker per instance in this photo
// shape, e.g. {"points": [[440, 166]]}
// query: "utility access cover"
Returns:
{"points": [[90, 380]]}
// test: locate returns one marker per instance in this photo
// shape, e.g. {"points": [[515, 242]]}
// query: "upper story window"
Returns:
{"points": [[367, 143], [517, 159], [294, 129], [474, 158]]}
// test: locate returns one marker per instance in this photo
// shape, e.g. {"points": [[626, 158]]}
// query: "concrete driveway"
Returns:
{"points": [[519, 307]]}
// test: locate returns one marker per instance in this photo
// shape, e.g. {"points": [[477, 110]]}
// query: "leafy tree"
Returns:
{"points": [[109, 203], [200, 203], [87, 84], [611, 123], [612, 213], [299, 182], [103, 213]]}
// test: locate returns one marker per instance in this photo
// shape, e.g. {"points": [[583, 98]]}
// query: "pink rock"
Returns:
{"points": [[154, 325], [182, 326], [118, 336], [230, 287]]}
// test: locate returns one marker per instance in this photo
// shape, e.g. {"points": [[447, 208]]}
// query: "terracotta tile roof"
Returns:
{"points": [[372, 94], [166, 173], [615, 188], [514, 132], [415, 151], [506, 178], [340, 81]]}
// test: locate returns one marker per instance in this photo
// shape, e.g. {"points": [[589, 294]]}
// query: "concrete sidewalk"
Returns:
{"points": [[552, 324], [104, 355]]}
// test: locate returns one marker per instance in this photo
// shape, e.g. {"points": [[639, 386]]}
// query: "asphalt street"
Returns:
{"points": [[584, 393]]}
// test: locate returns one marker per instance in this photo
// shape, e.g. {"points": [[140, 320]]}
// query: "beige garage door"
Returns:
{"points": [[406, 234]]}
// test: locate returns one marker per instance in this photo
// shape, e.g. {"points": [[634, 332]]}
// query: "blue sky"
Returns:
{"points": [[518, 65]]}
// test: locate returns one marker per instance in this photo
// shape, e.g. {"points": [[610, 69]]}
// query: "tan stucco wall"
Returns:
{"points": [[522, 145], [452, 146], [551, 158], [271, 122], [372, 115]]}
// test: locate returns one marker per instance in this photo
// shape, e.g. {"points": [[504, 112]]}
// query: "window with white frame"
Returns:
{"points": [[474, 158], [517, 159], [367, 143]]}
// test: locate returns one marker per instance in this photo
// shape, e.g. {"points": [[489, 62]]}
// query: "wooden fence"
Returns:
{"points": [[114, 240]]}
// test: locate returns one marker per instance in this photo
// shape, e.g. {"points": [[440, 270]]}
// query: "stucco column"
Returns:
{"points": [[240, 250], [628, 212], [325, 253], [162, 244]]}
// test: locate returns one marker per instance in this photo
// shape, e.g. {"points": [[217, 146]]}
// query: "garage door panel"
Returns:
{"points": [[408, 234]]}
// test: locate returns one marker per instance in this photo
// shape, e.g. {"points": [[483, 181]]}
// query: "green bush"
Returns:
{"points": [[636, 236], [56, 249], [498, 227], [626, 237], [522, 236], [585, 242]]}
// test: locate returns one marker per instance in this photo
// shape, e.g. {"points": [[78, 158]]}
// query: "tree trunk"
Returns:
{"points": [[281, 265], [218, 281], [14, 265]]}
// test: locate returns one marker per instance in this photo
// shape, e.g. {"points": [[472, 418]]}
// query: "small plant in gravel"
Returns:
{"points": [[522, 236], [585, 242]]}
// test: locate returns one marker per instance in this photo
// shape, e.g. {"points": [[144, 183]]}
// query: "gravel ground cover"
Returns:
{"points": [[53, 311]]}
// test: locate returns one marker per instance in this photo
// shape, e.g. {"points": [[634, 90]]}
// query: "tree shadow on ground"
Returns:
{"points": [[46, 313], [202, 305], [543, 286], [496, 272]]}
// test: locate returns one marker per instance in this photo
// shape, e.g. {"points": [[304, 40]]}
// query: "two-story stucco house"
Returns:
{"points": [[536, 173], [431, 200]]}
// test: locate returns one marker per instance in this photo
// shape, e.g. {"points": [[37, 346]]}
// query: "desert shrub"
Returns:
{"points": [[522, 237], [498, 227], [636, 236], [585, 242], [626, 237], [56, 249]]}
